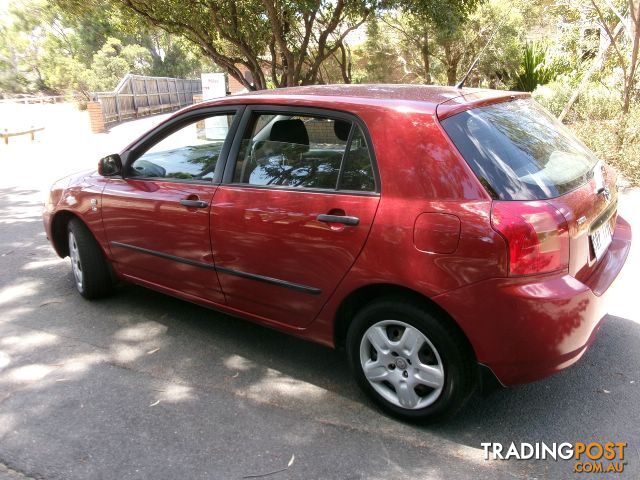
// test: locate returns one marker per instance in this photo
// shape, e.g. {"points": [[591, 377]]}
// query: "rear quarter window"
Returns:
{"points": [[519, 151]]}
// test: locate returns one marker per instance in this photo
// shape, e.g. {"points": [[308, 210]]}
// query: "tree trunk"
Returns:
{"points": [[634, 24], [425, 58], [452, 74], [595, 66], [345, 63], [451, 65]]}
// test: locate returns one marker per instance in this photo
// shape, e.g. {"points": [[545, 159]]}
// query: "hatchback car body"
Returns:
{"points": [[437, 234]]}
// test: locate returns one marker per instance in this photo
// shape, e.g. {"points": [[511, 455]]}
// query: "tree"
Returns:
{"points": [[613, 53], [596, 65], [115, 60], [411, 48], [281, 42], [21, 49], [630, 21], [415, 39], [382, 56], [441, 19], [48, 49]]}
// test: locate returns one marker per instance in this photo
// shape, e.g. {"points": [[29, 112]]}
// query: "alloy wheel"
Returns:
{"points": [[76, 263], [401, 364]]}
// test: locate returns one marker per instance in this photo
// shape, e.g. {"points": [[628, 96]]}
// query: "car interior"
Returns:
{"points": [[294, 151], [278, 150]]}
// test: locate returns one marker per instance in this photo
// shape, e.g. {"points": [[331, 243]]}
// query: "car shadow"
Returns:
{"points": [[588, 400], [595, 400]]}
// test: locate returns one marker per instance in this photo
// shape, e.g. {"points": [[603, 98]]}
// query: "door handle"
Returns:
{"points": [[194, 203], [344, 219]]}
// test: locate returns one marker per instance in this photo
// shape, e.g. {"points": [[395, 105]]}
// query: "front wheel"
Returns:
{"points": [[413, 365], [90, 269]]}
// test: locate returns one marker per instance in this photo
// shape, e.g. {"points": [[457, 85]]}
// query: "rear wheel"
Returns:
{"points": [[90, 269], [412, 364]]}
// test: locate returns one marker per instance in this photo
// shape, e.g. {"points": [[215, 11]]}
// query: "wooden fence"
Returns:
{"points": [[138, 95], [31, 99]]}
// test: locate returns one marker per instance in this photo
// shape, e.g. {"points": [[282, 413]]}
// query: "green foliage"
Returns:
{"points": [[555, 94], [20, 55], [69, 75], [535, 68], [505, 21], [11, 78], [45, 48], [88, 45], [378, 54], [115, 60], [598, 101], [596, 118], [446, 15], [615, 141], [407, 46], [281, 42]]}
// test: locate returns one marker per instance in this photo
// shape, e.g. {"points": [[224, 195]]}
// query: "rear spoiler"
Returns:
{"points": [[473, 98]]}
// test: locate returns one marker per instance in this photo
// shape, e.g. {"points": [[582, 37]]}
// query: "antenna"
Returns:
{"points": [[475, 61]]}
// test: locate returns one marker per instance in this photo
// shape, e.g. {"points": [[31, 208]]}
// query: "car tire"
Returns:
{"points": [[90, 270], [414, 365]]}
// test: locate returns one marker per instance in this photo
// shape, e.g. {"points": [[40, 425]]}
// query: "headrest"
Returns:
{"points": [[289, 131], [341, 129]]}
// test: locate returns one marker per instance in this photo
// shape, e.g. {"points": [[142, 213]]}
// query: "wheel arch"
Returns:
{"points": [[362, 296], [60, 229]]}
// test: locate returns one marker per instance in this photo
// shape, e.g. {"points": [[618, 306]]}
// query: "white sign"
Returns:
{"points": [[214, 85]]}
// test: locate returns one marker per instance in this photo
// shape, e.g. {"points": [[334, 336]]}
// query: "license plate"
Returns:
{"points": [[601, 239]]}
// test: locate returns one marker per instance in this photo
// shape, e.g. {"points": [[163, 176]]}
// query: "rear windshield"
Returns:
{"points": [[519, 151]]}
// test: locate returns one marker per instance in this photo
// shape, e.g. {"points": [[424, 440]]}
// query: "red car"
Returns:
{"points": [[444, 237]]}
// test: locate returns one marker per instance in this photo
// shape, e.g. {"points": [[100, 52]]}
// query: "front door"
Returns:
{"points": [[293, 213], [157, 217]]}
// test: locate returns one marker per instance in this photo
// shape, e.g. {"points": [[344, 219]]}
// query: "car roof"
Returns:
{"points": [[445, 100]]}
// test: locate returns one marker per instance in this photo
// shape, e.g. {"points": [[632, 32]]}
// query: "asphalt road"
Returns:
{"points": [[142, 385]]}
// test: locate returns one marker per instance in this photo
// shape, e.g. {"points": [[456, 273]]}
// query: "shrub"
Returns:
{"points": [[554, 95], [616, 141], [596, 102], [535, 68]]}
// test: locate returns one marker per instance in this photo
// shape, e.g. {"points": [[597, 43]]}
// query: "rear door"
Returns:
{"points": [[156, 218], [298, 200]]}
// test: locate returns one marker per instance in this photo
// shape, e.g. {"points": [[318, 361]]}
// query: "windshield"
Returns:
{"points": [[519, 151]]}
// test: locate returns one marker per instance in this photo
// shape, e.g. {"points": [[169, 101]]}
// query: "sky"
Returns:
{"points": [[4, 8]]}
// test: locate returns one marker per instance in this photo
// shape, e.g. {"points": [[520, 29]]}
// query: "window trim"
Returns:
{"points": [[251, 110], [172, 125], [347, 147]]}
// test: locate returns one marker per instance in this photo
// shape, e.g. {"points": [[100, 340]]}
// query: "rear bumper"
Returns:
{"points": [[525, 329]]}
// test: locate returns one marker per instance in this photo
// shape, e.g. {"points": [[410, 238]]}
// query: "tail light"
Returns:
{"points": [[536, 233]]}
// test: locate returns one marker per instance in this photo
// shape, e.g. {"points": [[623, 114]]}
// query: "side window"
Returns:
{"points": [[293, 151], [190, 153], [303, 152], [357, 172]]}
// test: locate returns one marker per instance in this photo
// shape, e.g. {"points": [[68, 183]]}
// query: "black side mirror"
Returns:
{"points": [[110, 165]]}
